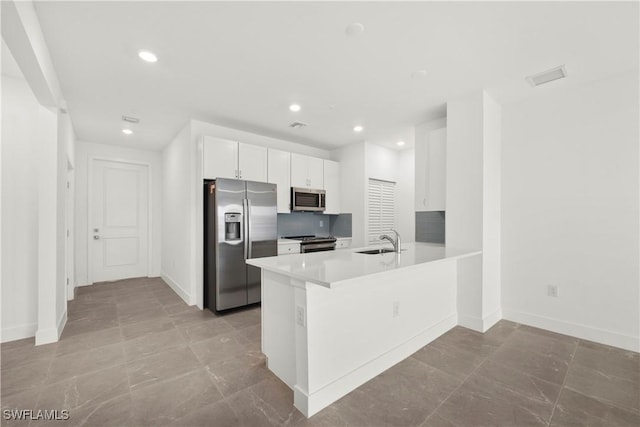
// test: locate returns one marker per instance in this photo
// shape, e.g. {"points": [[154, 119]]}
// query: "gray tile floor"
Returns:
{"points": [[133, 354]]}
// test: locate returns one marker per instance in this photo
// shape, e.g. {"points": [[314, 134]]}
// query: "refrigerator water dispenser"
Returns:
{"points": [[232, 223]]}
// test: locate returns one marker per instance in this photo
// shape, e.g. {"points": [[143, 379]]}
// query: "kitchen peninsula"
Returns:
{"points": [[333, 320]]}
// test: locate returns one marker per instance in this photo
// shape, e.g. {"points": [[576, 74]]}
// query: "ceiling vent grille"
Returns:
{"points": [[547, 76], [130, 119], [298, 125]]}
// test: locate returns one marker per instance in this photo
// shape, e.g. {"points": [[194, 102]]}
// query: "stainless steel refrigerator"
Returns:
{"points": [[240, 223]]}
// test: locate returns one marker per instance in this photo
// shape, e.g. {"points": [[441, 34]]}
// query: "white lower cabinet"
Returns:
{"points": [[343, 242], [288, 248]]}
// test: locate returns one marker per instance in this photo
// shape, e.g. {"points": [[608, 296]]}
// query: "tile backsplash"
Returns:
{"points": [[430, 226], [309, 223]]}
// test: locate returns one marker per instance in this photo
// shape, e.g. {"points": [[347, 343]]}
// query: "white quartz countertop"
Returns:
{"points": [[330, 268]]}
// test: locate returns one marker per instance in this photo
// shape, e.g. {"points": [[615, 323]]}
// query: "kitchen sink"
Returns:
{"points": [[376, 251]]}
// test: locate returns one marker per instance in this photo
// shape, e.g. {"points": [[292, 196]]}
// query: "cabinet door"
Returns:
{"points": [[285, 249], [332, 186], [252, 162], [436, 171], [219, 158], [315, 172], [430, 170], [279, 174], [421, 142], [299, 170], [343, 243]]}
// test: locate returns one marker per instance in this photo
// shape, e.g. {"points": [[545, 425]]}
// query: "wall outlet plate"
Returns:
{"points": [[553, 291]]}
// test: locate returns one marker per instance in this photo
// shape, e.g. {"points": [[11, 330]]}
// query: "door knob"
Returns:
{"points": [[96, 237]]}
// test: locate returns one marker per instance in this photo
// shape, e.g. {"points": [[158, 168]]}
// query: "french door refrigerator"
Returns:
{"points": [[240, 223]]}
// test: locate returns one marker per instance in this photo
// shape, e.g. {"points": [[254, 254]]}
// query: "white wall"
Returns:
{"points": [[177, 213], [396, 166], [66, 135], [26, 57], [405, 213], [463, 228], [19, 210], [570, 213], [491, 206], [353, 193], [473, 204], [50, 278], [86, 150]]}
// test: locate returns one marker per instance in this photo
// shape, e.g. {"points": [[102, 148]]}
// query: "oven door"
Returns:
{"points": [[307, 199], [317, 247]]}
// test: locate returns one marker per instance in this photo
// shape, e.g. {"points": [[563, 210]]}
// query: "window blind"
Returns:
{"points": [[381, 202]]}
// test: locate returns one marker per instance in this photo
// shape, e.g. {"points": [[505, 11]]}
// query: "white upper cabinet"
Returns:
{"points": [[252, 162], [279, 174], [431, 160], [219, 158], [332, 186], [315, 172], [306, 171], [222, 158]]}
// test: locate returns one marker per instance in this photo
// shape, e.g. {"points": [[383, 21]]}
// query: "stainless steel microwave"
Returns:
{"points": [[307, 199]]}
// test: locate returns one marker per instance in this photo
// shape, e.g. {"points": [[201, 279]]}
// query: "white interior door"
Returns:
{"points": [[118, 221]]}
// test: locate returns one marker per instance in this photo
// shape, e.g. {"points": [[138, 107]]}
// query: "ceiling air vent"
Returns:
{"points": [[130, 119], [547, 76], [298, 125]]}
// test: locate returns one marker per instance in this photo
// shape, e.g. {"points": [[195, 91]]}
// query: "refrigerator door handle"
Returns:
{"points": [[245, 226], [248, 230]]}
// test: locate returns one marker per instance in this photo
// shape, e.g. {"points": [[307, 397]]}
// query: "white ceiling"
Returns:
{"points": [[241, 64]]}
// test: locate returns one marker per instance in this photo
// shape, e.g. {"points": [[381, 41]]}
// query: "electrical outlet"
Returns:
{"points": [[396, 308], [321, 223], [300, 316], [553, 291]]}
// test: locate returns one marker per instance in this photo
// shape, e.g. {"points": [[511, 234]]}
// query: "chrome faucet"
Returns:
{"points": [[396, 243]]}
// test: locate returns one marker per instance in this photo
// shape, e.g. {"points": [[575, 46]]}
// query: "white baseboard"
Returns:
{"points": [[176, 288], [584, 332], [46, 336], [470, 322], [310, 404], [62, 322], [19, 332], [50, 335], [491, 319]]}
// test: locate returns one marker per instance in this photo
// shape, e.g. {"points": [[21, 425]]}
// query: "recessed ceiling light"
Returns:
{"points": [[358, 128], [127, 131], [400, 143], [145, 55], [294, 107], [354, 29]]}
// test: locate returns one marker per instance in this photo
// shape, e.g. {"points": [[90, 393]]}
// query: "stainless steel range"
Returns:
{"points": [[315, 244]]}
